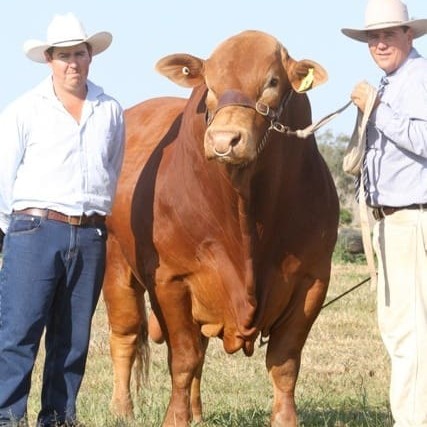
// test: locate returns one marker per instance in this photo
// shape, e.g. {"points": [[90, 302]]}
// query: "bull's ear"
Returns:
{"points": [[305, 74], [183, 69]]}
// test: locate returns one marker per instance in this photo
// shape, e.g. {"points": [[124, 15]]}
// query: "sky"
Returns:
{"points": [[146, 30]]}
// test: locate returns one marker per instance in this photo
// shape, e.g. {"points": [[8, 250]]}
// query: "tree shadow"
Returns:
{"points": [[310, 417], [357, 417]]}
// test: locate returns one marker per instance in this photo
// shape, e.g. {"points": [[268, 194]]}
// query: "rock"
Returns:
{"points": [[351, 240]]}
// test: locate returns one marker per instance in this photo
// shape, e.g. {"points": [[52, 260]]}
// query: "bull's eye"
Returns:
{"points": [[274, 81]]}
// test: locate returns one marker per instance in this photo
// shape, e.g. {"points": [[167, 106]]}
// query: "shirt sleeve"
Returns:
{"points": [[406, 124], [12, 147]]}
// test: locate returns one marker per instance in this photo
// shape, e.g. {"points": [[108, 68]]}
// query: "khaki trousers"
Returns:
{"points": [[400, 242]]}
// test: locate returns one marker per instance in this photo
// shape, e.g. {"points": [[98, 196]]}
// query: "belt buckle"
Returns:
{"points": [[378, 213], [75, 220]]}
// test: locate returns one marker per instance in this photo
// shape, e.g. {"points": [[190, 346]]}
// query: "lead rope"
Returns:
{"points": [[363, 209], [304, 133], [366, 232], [367, 245], [309, 130]]}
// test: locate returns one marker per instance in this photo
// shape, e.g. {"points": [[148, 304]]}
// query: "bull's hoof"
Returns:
{"points": [[122, 410], [176, 420], [197, 418]]}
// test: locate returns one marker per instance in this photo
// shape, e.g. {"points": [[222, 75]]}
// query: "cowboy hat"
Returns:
{"points": [[66, 30], [382, 14]]}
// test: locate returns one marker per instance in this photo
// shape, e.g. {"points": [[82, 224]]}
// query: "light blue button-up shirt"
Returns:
{"points": [[397, 138], [48, 160]]}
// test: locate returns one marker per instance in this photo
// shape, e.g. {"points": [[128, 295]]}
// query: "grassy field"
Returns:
{"points": [[343, 379]]}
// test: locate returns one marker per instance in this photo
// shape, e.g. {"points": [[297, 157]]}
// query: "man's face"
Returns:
{"points": [[70, 65], [390, 47]]}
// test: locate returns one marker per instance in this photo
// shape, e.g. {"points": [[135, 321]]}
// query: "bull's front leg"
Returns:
{"points": [[283, 376], [186, 348], [285, 346], [156, 334], [196, 398]]}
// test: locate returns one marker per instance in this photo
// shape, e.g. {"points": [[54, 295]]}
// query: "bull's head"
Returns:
{"points": [[250, 79]]}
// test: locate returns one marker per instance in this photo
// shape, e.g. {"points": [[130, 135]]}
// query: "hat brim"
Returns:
{"points": [[419, 28], [35, 49]]}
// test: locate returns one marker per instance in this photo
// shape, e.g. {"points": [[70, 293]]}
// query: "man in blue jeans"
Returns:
{"points": [[60, 156]]}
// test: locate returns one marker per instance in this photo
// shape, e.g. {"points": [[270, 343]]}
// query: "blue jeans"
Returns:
{"points": [[50, 280]]}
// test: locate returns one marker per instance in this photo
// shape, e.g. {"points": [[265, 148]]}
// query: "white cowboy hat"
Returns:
{"points": [[381, 14], [66, 30]]}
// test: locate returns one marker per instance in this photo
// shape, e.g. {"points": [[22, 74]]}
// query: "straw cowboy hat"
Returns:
{"points": [[66, 30], [381, 14]]}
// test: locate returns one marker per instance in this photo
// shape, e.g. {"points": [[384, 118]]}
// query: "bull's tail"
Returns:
{"points": [[142, 357]]}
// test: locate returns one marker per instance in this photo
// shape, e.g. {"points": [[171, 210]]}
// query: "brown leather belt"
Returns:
{"points": [[94, 219], [381, 212]]}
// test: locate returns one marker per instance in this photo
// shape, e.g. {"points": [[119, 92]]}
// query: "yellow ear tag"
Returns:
{"points": [[307, 81]]}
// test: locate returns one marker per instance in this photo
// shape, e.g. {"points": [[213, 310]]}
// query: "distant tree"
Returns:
{"points": [[349, 246], [332, 149]]}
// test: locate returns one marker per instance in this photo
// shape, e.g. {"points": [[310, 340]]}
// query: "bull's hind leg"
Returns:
{"points": [[124, 298], [285, 346]]}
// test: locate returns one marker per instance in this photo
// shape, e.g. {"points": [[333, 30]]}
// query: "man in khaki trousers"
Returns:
{"points": [[395, 166]]}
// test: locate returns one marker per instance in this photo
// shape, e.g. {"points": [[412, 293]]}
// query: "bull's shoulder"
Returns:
{"points": [[149, 121]]}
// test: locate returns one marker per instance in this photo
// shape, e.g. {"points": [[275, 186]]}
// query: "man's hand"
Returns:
{"points": [[360, 95], [1, 239]]}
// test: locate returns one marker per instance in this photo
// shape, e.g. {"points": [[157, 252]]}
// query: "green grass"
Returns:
{"points": [[343, 379]]}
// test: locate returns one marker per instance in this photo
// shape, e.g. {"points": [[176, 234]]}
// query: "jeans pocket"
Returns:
{"points": [[21, 224]]}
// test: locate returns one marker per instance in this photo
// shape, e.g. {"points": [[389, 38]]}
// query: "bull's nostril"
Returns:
{"points": [[234, 141], [223, 141]]}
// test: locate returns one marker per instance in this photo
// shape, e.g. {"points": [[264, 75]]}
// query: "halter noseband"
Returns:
{"points": [[236, 97]]}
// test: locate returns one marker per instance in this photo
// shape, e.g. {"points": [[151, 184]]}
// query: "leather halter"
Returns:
{"points": [[236, 97]]}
